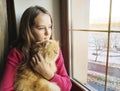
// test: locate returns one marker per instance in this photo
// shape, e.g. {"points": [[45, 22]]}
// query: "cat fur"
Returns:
{"points": [[29, 80]]}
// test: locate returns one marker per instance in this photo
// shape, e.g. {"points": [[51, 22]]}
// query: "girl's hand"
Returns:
{"points": [[39, 65]]}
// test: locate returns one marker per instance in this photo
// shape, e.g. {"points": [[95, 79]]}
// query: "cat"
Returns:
{"points": [[29, 80]]}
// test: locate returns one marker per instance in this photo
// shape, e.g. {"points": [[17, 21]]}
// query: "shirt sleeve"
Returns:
{"points": [[61, 77], [13, 60]]}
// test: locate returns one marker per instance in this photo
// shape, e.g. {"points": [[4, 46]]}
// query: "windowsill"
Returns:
{"points": [[84, 88]]}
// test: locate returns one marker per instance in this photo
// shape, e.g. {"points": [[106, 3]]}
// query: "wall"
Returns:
{"points": [[3, 34], [51, 5]]}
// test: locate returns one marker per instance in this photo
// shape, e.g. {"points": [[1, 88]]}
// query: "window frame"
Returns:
{"points": [[64, 34]]}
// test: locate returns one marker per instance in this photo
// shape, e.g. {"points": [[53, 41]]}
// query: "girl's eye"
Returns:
{"points": [[41, 28]]}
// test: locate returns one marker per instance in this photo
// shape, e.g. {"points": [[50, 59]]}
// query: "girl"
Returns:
{"points": [[35, 26]]}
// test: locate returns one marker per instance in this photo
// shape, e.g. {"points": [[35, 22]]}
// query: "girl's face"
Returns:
{"points": [[43, 28]]}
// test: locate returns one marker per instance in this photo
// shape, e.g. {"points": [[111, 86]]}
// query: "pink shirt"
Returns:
{"points": [[14, 58]]}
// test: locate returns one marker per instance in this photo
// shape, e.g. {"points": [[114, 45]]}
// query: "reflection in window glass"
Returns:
{"points": [[79, 55]]}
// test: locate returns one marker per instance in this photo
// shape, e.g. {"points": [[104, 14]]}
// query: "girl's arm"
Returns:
{"points": [[61, 77], [13, 60]]}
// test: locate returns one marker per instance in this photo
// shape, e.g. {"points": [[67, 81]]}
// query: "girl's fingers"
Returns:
{"points": [[34, 61], [37, 60], [40, 57]]}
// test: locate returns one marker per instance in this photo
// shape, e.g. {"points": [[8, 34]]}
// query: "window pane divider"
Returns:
{"points": [[107, 58], [87, 30]]}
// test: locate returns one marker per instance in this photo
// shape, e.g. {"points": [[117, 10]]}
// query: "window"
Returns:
{"points": [[94, 39]]}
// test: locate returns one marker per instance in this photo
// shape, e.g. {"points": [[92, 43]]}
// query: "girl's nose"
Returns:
{"points": [[46, 31]]}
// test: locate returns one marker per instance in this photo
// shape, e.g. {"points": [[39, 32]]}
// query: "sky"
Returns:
{"points": [[99, 10]]}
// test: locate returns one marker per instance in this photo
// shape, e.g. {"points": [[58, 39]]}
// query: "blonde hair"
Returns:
{"points": [[26, 38]]}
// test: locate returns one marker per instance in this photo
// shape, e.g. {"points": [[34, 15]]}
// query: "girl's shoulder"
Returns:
{"points": [[15, 53]]}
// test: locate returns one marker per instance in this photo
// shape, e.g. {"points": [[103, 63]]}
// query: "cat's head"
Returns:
{"points": [[48, 49]]}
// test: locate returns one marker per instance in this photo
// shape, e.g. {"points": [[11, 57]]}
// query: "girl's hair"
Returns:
{"points": [[26, 38]]}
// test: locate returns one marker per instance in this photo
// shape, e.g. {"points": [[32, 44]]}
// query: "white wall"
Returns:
{"points": [[51, 5]]}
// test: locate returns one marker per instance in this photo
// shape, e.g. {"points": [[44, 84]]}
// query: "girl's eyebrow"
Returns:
{"points": [[39, 26], [43, 25]]}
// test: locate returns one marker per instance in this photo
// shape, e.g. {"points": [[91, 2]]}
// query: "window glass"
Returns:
{"points": [[113, 81], [95, 43], [90, 14], [115, 16]]}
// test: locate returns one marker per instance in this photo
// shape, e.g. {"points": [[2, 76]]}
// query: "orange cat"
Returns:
{"points": [[28, 80]]}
